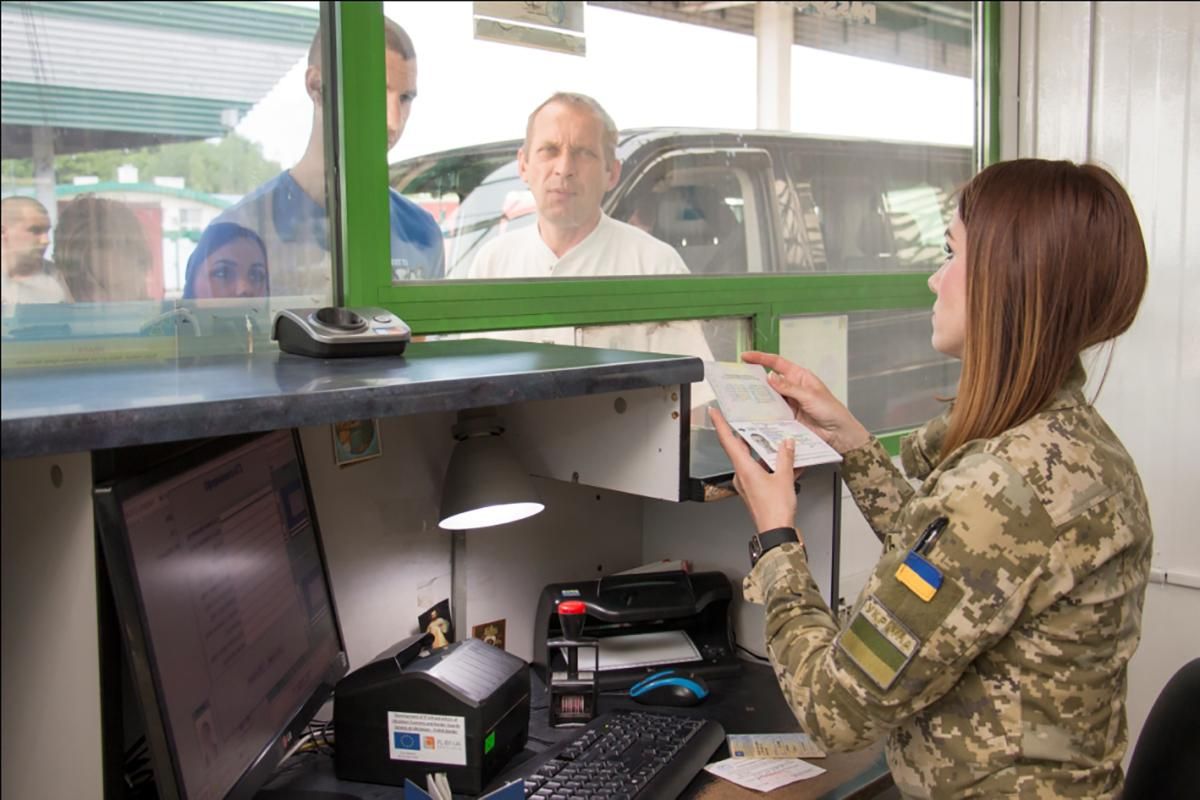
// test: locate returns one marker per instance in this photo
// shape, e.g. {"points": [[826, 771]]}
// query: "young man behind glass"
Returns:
{"points": [[288, 212]]}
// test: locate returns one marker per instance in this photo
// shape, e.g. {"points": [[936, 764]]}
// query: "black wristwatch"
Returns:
{"points": [[762, 542]]}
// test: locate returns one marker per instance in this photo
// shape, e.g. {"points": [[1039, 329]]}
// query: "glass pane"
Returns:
{"points": [[880, 363], [859, 177], [895, 375], [708, 339], [163, 177], [871, 208]]}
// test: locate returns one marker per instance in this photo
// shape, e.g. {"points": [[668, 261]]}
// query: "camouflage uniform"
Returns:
{"points": [[1010, 680]]}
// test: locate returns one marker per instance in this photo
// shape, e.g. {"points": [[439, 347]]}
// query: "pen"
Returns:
{"points": [[930, 534]]}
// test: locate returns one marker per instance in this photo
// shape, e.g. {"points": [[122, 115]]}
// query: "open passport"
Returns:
{"points": [[761, 416]]}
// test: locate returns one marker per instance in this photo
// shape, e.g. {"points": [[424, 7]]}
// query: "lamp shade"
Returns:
{"points": [[485, 485]]}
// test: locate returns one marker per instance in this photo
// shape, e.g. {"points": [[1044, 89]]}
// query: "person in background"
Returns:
{"points": [[25, 274], [101, 251], [288, 212], [569, 162], [229, 262], [991, 643]]}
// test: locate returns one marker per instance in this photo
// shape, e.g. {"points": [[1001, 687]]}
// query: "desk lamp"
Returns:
{"points": [[485, 483]]}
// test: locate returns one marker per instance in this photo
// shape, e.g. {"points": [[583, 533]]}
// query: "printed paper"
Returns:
{"points": [[763, 774]]}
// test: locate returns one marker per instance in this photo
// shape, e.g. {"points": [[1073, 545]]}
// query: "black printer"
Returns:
{"points": [[463, 710], [641, 605]]}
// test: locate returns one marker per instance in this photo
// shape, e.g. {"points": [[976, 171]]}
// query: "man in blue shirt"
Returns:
{"points": [[288, 211]]}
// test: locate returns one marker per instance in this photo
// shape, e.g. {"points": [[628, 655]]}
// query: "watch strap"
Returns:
{"points": [[768, 540]]}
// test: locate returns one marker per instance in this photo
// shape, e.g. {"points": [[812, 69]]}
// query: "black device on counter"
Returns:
{"points": [[462, 710], [332, 332], [696, 604], [574, 692]]}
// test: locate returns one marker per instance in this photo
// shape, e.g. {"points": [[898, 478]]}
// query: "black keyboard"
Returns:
{"points": [[624, 755]]}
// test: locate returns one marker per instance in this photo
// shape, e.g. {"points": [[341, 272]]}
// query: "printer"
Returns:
{"points": [[462, 710], [644, 623]]}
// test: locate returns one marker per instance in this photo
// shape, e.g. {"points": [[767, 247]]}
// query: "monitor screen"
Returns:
{"points": [[222, 594]]}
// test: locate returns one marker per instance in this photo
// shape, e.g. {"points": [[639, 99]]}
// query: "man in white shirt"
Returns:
{"points": [[569, 162], [25, 275]]}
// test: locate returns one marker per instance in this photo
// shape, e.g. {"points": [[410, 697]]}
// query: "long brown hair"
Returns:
{"points": [[101, 250], [1055, 263]]}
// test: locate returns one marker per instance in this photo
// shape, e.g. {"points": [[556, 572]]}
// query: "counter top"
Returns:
{"points": [[47, 411]]}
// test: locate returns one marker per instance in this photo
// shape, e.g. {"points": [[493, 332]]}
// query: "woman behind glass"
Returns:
{"points": [[102, 251], [990, 643], [229, 261]]}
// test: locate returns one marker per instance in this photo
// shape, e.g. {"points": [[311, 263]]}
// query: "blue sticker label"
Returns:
{"points": [[404, 740]]}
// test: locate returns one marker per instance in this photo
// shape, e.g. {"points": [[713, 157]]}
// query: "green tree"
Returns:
{"points": [[232, 165]]}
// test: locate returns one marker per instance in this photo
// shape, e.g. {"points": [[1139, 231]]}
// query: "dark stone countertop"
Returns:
{"points": [[60, 410]]}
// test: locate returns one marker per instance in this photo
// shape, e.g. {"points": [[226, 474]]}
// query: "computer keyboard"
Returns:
{"points": [[624, 755]]}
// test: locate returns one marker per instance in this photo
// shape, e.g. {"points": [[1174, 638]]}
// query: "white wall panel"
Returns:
{"points": [[389, 561], [1126, 77], [51, 658], [1062, 69]]}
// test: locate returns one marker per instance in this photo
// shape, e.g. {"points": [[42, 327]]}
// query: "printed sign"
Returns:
{"points": [[428, 738]]}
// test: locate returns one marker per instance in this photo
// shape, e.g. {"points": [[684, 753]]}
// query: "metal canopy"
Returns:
{"points": [[102, 75], [926, 35]]}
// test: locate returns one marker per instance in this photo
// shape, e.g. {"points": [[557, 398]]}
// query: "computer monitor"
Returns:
{"points": [[222, 593]]}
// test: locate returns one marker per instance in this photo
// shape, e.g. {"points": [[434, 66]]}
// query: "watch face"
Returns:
{"points": [[755, 548]]}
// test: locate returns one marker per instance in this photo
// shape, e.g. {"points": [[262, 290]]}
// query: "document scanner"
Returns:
{"points": [[463, 710], [645, 623]]}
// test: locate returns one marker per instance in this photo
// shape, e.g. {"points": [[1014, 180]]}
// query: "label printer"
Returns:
{"points": [[462, 710], [644, 622]]}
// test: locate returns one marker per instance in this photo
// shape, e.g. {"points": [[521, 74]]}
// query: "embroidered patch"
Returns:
{"points": [[921, 577], [877, 642]]}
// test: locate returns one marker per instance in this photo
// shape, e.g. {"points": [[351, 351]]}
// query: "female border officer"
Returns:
{"points": [[991, 641]]}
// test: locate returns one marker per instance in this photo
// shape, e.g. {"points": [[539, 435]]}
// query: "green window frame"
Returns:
{"points": [[364, 262]]}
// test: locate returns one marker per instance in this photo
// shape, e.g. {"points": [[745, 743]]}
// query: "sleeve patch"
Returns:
{"points": [[878, 643], [922, 578]]}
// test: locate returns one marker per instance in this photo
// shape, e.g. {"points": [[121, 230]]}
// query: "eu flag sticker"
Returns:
{"points": [[403, 740], [921, 577]]}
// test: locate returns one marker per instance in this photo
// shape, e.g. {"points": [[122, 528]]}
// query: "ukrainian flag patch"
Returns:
{"points": [[921, 577], [878, 643]]}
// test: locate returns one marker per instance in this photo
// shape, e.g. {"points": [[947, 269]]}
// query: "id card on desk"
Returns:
{"points": [[773, 745]]}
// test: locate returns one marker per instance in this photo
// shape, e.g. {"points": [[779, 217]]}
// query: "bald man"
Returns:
{"points": [[26, 276]]}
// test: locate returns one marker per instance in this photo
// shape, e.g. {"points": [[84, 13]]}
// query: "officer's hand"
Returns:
{"points": [[812, 402], [770, 496]]}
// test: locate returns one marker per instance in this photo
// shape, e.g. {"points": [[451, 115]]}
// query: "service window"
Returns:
{"points": [[162, 191]]}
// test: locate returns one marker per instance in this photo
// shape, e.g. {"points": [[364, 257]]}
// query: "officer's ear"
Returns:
{"points": [[312, 83]]}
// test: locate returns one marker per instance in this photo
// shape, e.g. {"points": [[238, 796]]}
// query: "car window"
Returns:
{"points": [[706, 207], [862, 211]]}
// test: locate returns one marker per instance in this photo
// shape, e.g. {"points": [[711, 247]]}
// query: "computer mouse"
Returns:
{"points": [[669, 689]]}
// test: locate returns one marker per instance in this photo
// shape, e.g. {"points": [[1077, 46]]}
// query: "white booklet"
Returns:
{"points": [[761, 416]]}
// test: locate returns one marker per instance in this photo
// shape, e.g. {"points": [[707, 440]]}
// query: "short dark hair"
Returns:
{"points": [[395, 38]]}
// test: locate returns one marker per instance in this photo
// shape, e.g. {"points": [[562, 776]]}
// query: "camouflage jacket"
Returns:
{"points": [[994, 662]]}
